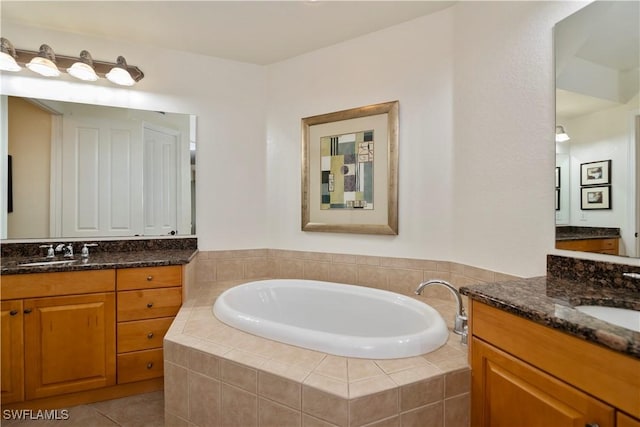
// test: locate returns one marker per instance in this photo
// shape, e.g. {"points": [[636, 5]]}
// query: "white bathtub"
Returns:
{"points": [[343, 320]]}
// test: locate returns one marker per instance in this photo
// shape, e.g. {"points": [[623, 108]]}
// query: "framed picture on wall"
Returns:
{"points": [[557, 177], [595, 197], [595, 173], [557, 199], [350, 170]]}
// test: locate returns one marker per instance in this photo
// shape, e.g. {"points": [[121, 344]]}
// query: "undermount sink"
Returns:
{"points": [[41, 263], [626, 318]]}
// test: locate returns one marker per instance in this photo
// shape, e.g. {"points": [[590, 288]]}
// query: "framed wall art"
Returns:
{"points": [[350, 170], [595, 173], [598, 197]]}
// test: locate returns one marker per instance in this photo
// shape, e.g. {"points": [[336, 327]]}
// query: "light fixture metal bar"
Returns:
{"points": [[63, 62]]}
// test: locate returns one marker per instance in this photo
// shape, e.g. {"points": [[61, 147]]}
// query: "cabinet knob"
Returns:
{"points": [[149, 278], [150, 335], [27, 310], [13, 312], [149, 365], [149, 305]]}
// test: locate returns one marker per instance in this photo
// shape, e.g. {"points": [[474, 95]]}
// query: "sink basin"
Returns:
{"points": [[629, 319], [41, 263]]}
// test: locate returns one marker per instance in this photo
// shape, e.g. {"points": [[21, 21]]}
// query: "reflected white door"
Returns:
{"points": [[160, 188], [98, 181]]}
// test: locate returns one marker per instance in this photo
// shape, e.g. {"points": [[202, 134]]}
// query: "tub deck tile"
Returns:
{"points": [[322, 390]]}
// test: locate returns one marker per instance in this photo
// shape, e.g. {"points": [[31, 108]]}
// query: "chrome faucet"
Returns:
{"points": [[67, 250], [460, 325]]}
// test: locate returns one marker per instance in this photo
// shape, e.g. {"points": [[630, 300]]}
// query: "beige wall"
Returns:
{"points": [[29, 146]]}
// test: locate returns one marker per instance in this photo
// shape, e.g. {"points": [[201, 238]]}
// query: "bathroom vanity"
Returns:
{"points": [[535, 357], [89, 330], [588, 239]]}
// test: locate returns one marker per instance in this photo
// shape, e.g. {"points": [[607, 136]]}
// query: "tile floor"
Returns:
{"points": [[143, 410]]}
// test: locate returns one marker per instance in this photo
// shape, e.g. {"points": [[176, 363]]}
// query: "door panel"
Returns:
{"points": [[161, 171], [70, 344], [12, 370], [98, 178], [508, 392]]}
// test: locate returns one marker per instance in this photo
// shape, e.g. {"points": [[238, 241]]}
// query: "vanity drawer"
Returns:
{"points": [[149, 277], [142, 334], [34, 285], [140, 365], [149, 303]]}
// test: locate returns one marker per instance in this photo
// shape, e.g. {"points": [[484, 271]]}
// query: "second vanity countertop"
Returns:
{"points": [[550, 302], [100, 261]]}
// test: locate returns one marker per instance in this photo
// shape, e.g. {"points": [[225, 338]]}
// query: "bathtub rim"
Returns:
{"points": [[434, 336]]}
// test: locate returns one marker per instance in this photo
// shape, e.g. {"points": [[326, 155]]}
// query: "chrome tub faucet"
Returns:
{"points": [[460, 325]]}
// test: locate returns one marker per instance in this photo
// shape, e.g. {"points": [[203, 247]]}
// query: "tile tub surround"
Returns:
{"points": [[201, 372], [218, 375]]}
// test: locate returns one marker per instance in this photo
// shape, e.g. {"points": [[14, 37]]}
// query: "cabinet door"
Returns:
{"points": [[624, 420], [508, 392], [12, 371], [69, 343]]}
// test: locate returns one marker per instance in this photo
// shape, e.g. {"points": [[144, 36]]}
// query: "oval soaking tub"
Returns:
{"points": [[334, 318]]}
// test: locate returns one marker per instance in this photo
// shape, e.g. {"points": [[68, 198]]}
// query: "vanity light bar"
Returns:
{"points": [[102, 68]]}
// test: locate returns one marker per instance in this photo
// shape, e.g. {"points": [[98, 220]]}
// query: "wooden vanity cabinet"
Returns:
{"points": [[12, 346], [54, 340], [516, 393], [69, 344], [148, 300], [527, 374], [623, 420], [84, 336], [601, 246]]}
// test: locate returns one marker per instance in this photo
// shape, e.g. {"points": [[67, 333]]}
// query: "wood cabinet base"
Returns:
{"points": [[97, 395]]}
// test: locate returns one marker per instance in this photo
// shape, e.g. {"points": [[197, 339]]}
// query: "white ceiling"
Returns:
{"points": [[259, 32]]}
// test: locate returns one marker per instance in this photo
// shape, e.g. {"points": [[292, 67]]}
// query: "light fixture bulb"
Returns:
{"points": [[44, 64], [561, 135], [119, 74], [83, 69], [8, 56]]}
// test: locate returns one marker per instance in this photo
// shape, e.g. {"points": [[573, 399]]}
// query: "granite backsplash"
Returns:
{"points": [[600, 274]]}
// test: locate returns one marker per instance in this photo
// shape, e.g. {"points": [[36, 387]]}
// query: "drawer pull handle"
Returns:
{"points": [[150, 335], [149, 365], [149, 305], [591, 425], [149, 278], [13, 312], [27, 310]]}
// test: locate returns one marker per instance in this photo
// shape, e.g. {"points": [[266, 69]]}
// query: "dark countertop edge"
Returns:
{"points": [[147, 259], [610, 336], [584, 237]]}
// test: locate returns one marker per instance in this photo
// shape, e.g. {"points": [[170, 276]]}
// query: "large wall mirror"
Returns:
{"points": [[597, 59], [88, 171]]}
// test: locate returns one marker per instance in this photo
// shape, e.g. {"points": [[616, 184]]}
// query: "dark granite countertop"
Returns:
{"points": [[549, 301], [566, 232], [100, 261]]}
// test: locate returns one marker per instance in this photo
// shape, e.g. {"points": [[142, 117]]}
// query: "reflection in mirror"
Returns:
{"points": [[597, 57], [91, 171]]}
